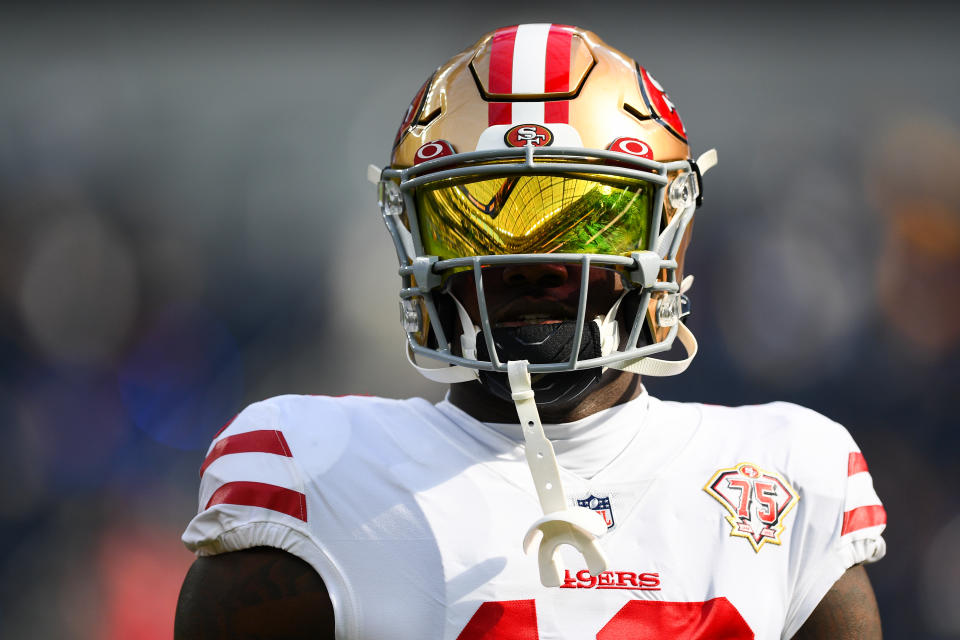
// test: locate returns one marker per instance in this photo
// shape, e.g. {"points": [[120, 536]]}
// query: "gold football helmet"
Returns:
{"points": [[542, 144]]}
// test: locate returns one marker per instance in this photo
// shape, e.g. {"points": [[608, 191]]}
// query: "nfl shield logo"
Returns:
{"points": [[601, 506]]}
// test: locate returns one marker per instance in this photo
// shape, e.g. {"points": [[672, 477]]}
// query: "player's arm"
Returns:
{"points": [[255, 593], [848, 611]]}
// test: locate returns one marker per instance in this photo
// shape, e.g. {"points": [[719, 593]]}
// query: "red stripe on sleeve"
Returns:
{"points": [[265, 441], [856, 463], [557, 73], [501, 74], [257, 494], [863, 517]]}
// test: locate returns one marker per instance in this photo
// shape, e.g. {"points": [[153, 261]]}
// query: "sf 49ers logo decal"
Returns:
{"points": [[528, 134], [757, 500]]}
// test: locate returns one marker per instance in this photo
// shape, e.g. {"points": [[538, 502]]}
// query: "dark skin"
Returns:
{"points": [[252, 594], [268, 593], [849, 610]]}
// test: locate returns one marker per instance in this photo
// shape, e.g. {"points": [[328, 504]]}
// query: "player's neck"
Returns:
{"points": [[614, 388]]}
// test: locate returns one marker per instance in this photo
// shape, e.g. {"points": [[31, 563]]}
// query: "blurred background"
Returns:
{"points": [[185, 227]]}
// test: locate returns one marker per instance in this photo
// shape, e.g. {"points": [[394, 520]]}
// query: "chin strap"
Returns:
{"points": [[655, 367], [468, 337], [661, 368], [561, 524], [468, 347], [448, 375]]}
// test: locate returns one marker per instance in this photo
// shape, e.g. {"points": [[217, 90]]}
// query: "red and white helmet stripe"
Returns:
{"points": [[530, 59]]}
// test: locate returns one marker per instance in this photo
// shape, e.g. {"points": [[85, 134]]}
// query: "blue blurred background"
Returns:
{"points": [[185, 227]]}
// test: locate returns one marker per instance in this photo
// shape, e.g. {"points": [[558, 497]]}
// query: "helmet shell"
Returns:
{"points": [[577, 80]]}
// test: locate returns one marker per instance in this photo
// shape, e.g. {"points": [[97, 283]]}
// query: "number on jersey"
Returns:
{"points": [[637, 620]]}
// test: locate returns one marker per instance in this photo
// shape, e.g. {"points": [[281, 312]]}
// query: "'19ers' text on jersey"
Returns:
{"points": [[721, 522]]}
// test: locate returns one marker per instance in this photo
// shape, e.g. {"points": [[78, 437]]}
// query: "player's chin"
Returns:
{"points": [[609, 388], [555, 393]]}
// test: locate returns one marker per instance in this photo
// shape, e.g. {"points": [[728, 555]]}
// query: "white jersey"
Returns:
{"points": [[722, 522]]}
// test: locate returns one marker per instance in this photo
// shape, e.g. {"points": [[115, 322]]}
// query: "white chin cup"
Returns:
{"points": [[576, 526]]}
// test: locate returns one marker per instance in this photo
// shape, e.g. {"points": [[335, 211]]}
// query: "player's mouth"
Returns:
{"points": [[527, 320], [526, 312]]}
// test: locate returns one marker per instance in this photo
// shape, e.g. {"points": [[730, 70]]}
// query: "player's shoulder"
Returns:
{"points": [[269, 458], [318, 414], [316, 431], [297, 405], [774, 421], [779, 436]]}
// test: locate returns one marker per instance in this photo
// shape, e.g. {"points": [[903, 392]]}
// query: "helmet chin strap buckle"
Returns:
{"points": [[560, 524]]}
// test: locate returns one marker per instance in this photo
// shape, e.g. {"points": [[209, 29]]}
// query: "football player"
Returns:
{"points": [[540, 197]]}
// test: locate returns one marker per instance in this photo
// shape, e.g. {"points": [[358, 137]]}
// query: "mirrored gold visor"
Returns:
{"points": [[484, 215]]}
